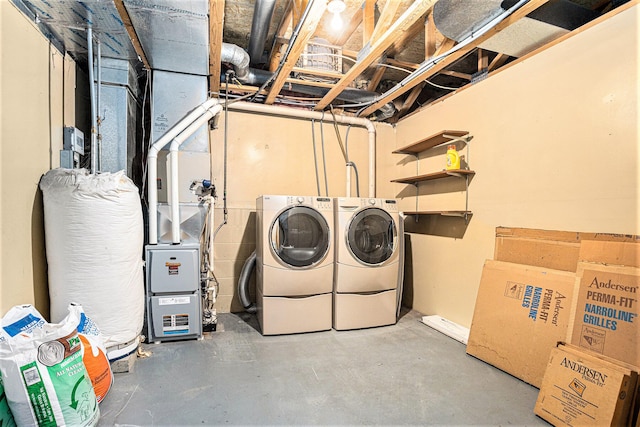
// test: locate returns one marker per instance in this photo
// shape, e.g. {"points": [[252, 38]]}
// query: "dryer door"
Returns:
{"points": [[300, 237], [371, 236]]}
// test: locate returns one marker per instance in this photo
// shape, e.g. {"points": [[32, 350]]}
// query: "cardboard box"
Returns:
{"points": [[606, 311], [582, 389], [521, 313], [610, 253], [559, 250]]}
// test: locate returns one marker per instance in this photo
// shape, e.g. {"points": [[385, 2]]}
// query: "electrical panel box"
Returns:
{"points": [[174, 308], [73, 140], [69, 159]]}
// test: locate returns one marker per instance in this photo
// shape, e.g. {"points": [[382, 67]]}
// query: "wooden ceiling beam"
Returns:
{"points": [[430, 36], [306, 32], [216, 23], [463, 76], [402, 42], [415, 11], [368, 20], [126, 20], [385, 20], [377, 76], [498, 61], [408, 102], [419, 77], [285, 22], [402, 64], [483, 60]]}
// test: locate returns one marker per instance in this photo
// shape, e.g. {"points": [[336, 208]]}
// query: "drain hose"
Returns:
{"points": [[243, 283]]}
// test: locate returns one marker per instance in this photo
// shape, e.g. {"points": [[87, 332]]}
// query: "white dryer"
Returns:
{"points": [[369, 246], [294, 263]]}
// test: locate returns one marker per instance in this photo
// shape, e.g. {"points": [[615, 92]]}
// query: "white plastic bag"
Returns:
{"points": [[94, 240], [45, 379]]}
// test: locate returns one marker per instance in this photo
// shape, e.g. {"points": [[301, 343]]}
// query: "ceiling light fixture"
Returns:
{"points": [[336, 7]]}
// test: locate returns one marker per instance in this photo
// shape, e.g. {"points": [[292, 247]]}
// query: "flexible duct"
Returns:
{"points": [[319, 115], [259, 28], [239, 59], [243, 283]]}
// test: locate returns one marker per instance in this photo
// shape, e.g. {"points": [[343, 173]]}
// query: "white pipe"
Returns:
{"points": [[318, 115], [174, 193], [152, 162], [92, 96], [348, 181]]}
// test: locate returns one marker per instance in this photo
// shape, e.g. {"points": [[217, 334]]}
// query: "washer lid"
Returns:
{"points": [[300, 237], [371, 236]]}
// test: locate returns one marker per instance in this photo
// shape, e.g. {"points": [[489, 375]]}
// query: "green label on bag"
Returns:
{"points": [[38, 395], [68, 374]]}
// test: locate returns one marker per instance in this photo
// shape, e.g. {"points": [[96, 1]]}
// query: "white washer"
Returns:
{"points": [[369, 246], [294, 263]]}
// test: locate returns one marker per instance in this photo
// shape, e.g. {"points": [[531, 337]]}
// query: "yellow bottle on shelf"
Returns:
{"points": [[453, 158]]}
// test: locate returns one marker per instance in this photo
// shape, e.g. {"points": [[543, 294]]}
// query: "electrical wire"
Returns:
{"points": [[315, 157], [324, 158]]}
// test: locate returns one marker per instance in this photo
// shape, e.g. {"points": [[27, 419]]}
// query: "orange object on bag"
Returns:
{"points": [[98, 367]]}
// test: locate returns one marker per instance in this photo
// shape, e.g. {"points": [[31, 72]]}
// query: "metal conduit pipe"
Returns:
{"points": [[259, 28], [243, 283], [152, 162], [318, 115], [92, 96]]}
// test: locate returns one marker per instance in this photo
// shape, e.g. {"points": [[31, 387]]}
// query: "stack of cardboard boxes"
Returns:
{"points": [[547, 288]]}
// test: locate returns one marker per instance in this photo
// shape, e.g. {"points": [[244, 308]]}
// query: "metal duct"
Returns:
{"points": [[237, 57], [259, 29], [457, 19]]}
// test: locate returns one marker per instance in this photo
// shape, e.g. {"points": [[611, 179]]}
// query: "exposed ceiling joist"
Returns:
{"points": [[419, 77], [368, 20], [385, 20], [498, 61], [126, 20], [306, 32], [216, 22], [285, 22], [406, 20]]}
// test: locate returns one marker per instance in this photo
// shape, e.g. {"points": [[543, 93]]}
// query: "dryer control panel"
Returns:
{"points": [[387, 204]]}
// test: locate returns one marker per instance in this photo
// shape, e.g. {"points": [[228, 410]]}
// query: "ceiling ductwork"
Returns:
{"points": [[239, 60], [262, 14], [456, 19]]}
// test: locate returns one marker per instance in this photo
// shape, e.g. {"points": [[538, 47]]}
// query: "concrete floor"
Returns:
{"points": [[402, 374]]}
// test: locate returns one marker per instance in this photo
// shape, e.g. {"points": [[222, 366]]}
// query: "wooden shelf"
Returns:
{"points": [[443, 213], [434, 175], [432, 141]]}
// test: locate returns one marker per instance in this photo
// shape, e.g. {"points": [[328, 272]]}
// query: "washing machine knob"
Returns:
{"points": [[372, 202], [300, 199]]}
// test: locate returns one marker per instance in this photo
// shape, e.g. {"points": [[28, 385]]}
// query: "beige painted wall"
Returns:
{"points": [[32, 91], [274, 155], [555, 147]]}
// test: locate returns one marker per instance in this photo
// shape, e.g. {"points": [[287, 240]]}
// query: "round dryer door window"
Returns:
{"points": [[371, 236], [300, 237]]}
